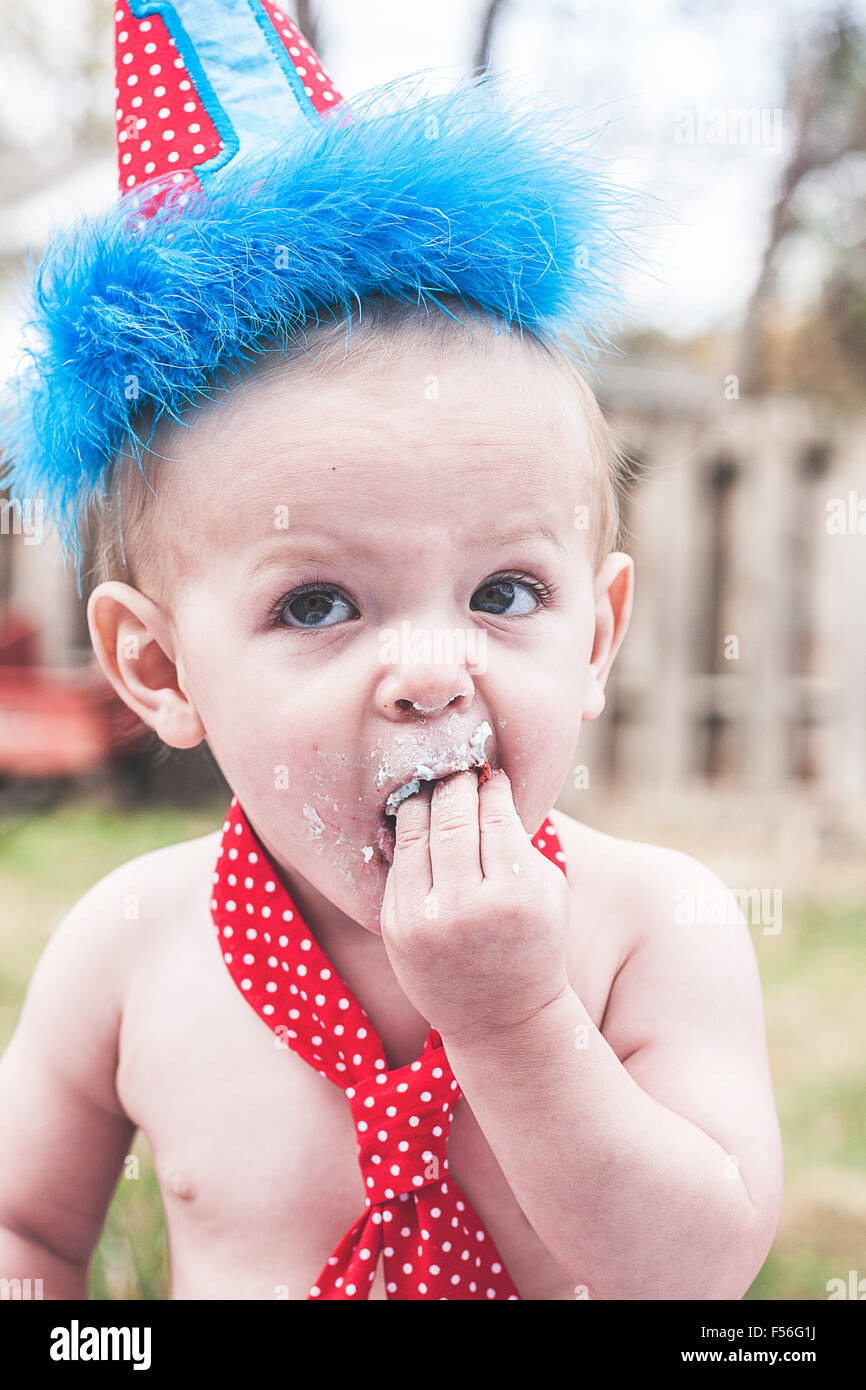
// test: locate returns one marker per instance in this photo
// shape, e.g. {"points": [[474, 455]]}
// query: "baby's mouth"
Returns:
{"points": [[468, 756]]}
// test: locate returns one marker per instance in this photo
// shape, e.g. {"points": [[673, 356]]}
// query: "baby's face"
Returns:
{"points": [[383, 559]]}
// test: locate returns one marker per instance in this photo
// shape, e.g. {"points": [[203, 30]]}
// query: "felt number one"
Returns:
{"points": [[240, 70]]}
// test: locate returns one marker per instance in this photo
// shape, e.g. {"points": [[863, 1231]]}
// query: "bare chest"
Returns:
{"points": [[256, 1152]]}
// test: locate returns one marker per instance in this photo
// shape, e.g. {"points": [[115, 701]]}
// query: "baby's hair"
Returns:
{"points": [[124, 547]]}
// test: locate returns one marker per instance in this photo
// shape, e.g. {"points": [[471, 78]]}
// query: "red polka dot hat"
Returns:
{"points": [[254, 200], [173, 130]]}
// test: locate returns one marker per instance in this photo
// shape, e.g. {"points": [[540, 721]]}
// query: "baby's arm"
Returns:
{"points": [[63, 1132], [647, 1156]]}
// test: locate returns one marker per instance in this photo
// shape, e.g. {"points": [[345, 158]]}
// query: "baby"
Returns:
{"points": [[361, 575], [398, 1029]]}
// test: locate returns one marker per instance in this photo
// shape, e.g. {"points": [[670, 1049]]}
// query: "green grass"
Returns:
{"points": [[47, 861], [131, 1260], [812, 974]]}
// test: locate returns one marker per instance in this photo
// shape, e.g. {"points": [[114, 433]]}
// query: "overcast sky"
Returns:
{"points": [[663, 67]]}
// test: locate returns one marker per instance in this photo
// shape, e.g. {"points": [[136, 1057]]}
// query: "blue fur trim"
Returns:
{"points": [[472, 192]]}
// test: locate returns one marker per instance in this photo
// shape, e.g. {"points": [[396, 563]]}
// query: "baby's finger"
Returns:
{"points": [[412, 871], [454, 852], [388, 910], [504, 841]]}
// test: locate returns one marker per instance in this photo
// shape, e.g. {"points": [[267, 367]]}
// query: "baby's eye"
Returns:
{"points": [[509, 596], [314, 606]]}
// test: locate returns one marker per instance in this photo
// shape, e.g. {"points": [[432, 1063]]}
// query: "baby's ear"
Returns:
{"points": [[614, 592], [135, 647]]}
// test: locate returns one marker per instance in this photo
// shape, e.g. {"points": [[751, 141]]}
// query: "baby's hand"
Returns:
{"points": [[474, 918]]}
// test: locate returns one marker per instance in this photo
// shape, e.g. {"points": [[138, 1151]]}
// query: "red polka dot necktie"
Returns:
{"points": [[431, 1240]]}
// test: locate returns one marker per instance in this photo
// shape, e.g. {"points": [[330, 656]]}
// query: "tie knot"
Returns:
{"points": [[402, 1119]]}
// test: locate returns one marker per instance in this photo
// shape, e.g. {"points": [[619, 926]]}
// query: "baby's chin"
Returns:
{"points": [[352, 875], [362, 902]]}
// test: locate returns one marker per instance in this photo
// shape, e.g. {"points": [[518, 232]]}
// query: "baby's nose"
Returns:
{"points": [[414, 697], [428, 671], [450, 702]]}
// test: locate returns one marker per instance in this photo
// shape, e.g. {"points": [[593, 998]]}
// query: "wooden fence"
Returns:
{"points": [[745, 663]]}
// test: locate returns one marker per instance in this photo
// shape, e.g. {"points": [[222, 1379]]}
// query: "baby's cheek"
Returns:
{"points": [[539, 754]]}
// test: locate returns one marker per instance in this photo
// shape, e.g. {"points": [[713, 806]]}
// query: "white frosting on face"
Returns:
{"points": [[315, 825], [460, 759]]}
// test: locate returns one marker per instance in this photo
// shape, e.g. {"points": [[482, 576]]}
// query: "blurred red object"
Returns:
{"points": [[53, 722]]}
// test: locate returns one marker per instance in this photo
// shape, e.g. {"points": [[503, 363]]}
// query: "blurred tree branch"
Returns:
{"points": [[826, 101], [308, 23], [492, 13]]}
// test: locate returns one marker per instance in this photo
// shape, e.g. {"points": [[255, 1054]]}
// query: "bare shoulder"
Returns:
{"points": [[155, 887], [634, 883], [66, 1041], [674, 932], [123, 911]]}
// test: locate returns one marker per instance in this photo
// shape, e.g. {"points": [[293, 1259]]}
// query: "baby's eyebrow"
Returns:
{"points": [[312, 550], [517, 536], [318, 548]]}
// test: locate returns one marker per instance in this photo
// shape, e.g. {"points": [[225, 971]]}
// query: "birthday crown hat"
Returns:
{"points": [[200, 85], [255, 200]]}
